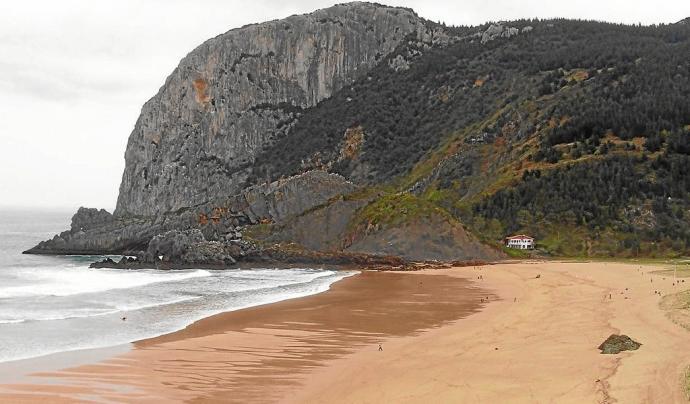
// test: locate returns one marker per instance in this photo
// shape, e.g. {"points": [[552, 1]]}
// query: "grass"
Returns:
{"points": [[515, 253], [394, 209], [566, 240], [680, 271], [258, 232]]}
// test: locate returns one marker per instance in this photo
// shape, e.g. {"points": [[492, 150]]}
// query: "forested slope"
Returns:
{"points": [[574, 131]]}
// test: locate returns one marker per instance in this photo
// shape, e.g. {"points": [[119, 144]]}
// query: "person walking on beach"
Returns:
{"points": [[380, 348]]}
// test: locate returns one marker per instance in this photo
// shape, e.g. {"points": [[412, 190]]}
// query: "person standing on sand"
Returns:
{"points": [[380, 348]]}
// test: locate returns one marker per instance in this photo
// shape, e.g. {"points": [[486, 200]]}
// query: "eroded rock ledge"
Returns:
{"points": [[211, 232]]}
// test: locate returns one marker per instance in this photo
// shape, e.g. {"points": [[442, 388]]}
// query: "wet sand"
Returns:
{"points": [[259, 354], [534, 341]]}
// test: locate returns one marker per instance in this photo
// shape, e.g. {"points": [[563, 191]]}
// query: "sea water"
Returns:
{"points": [[51, 304]]}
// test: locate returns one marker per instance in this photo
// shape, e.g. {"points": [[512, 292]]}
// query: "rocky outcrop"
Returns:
{"points": [[331, 220], [233, 95], [113, 237], [222, 219], [87, 218], [172, 245], [499, 30], [618, 343], [282, 199], [432, 238], [420, 239]]}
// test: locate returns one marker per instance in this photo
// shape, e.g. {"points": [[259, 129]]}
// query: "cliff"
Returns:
{"points": [[363, 129], [237, 93]]}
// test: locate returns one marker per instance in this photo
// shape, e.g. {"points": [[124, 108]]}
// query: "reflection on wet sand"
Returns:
{"points": [[259, 354]]}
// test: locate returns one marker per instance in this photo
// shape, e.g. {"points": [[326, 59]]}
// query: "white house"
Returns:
{"points": [[520, 241]]}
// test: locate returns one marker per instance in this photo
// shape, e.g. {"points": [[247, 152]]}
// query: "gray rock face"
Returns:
{"points": [[211, 253], [431, 239], [172, 245], [112, 237], [87, 218], [274, 202], [196, 139], [498, 31], [331, 221]]}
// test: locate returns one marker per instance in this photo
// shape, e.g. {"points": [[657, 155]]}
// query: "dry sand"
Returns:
{"points": [[534, 341]]}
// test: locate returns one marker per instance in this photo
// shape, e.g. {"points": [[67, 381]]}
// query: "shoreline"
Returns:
{"points": [[80, 356], [260, 325], [535, 340]]}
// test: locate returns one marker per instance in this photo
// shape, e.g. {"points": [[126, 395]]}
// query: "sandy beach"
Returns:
{"points": [[511, 332]]}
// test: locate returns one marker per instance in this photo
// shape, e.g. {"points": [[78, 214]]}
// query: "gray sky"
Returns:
{"points": [[75, 73]]}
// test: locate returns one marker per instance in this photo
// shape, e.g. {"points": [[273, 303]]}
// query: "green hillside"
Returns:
{"points": [[576, 132]]}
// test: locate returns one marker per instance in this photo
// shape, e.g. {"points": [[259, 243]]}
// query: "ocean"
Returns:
{"points": [[51, 304]]}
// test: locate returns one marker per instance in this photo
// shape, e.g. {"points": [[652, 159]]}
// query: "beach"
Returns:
{"points": [[509, 332]]}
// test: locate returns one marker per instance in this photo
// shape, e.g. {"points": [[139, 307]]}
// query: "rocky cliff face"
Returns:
{"points": [[233, 95], [185, 197], [98, 232]]}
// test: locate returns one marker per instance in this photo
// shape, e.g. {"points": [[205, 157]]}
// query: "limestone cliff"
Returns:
{"points": [[235, 94]]}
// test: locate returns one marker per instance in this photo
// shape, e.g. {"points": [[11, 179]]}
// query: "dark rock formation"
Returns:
{"points": [[331, 221], [618, 343], [329, 228], [216, 220], [236, 93], [87, 218], [499, 30], [112, 237], [172, 244], [433, 238], [289, 254]]}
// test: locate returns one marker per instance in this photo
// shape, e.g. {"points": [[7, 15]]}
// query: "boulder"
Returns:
{"points": [[172, 245], [618, 343], [210, 253], [88, 218]]}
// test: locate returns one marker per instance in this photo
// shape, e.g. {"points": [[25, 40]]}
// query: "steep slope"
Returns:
{"points": [[574, 131], [236, 93], [417, 140]]}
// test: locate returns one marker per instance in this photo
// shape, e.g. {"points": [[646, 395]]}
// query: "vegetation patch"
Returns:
{"points": [[679, 271], [258, 232], [677, 307], [398, 208]]}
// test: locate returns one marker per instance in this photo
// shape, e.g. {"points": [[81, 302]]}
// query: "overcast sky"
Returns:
{"points": [[75, 73]]}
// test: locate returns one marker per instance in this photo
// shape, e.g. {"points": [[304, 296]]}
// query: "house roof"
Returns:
{"points": [[520, 237]]}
